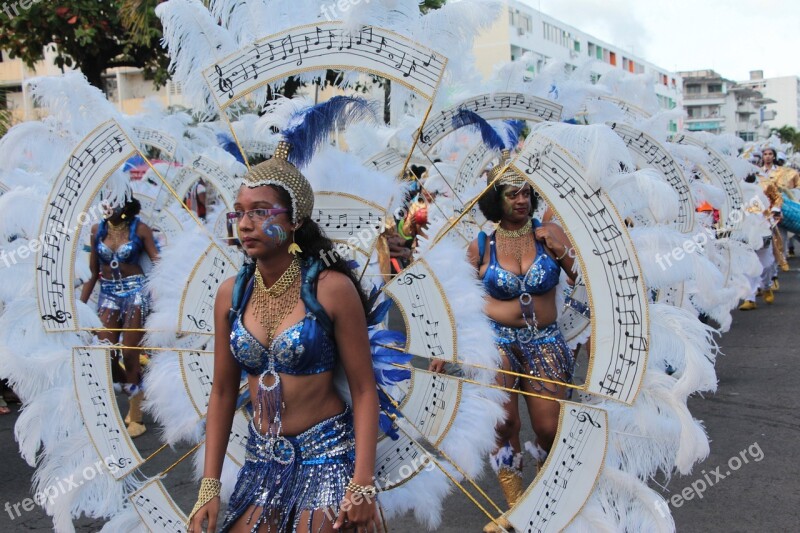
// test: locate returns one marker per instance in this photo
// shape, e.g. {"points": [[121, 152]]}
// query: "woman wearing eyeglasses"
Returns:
{"points": [[289, 320]]}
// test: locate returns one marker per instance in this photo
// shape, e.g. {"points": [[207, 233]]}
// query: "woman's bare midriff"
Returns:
{"points": [[509, 312], [307, 400]]}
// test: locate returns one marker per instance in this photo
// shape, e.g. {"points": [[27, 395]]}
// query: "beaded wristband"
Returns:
{"points": [[364, 490], [566, 251], [210, 488]]}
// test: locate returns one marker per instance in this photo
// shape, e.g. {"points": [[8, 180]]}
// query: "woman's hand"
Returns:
{"points": [[437, 365], [359, 513], [551, 238], [210, 512]]}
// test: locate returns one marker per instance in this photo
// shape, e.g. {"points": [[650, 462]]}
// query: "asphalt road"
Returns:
{"points": [[752, 416]]}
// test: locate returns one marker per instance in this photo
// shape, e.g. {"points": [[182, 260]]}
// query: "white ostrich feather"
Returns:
{"points": [[195, 41], [33, 147]]}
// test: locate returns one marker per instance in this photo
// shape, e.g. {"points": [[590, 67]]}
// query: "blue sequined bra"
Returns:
{"points": [[541, 277], [302, 349], [127, 253]]}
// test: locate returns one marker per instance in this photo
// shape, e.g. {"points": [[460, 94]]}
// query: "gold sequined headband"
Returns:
{"points": [[280, 172], [508, 176]]}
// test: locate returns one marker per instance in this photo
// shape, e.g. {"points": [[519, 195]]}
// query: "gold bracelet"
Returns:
{"points": [[364, 490], [566, 251], [210, 488]]}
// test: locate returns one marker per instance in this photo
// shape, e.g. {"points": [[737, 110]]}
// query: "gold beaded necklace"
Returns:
{"points": [[117, 234], [515, 242], [273, 304]]}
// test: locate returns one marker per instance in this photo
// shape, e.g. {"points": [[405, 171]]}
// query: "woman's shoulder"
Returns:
{"points": [[225, 290]]}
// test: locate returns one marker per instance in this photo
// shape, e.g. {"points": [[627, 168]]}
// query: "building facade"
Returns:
{"points": [[521, 29], [715, 104], [785, 93]]}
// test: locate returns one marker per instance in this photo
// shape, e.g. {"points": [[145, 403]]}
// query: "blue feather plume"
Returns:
{"points": [[513, 131], [311, 128], [490, 136], [229, 145]]}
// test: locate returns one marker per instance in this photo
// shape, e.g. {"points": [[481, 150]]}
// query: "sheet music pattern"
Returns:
{"points": [[430, 403], [161, 220], [197, 305], [632, 113], [617, 293], [237, 441], [430, 326], [672, 295], [3, 189], [388, 161], [254, 146], [91, 372], [472, 168], [569, 474], [197, 369], [226, 184], [491, 106], [653, 154], [157, 139], [392, 455], [719, 168], [322, 46], [572, 323], [99, 154], [344, 217], [181, 182], [157, 510]]}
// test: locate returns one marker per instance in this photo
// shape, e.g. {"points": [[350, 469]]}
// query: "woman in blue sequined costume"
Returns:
{"points": [[520, 265], [309, 456], [123, 304]]}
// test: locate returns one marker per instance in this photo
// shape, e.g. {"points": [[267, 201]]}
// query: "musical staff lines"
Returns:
{"points": [[632, 113], [491, 106], [237, 440], [321, 46], [430, 403], [157, 510], [157, 139], [717, 169], [349, 219], [392, 455], [388, 161], [197, 305], [91, 372], [569, 474], [430, 326], [97, 156], [617, 293], [653, 154], [471, 168], [224, 182], [197, 369]]}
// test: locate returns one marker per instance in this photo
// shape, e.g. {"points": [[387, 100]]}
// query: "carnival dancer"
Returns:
{"points": [[288, 320], [123, 304], [520, 269], [768, 178]]}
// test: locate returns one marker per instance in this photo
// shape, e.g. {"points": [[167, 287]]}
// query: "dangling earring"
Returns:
{"points": [[294, 249], [123, 216]]}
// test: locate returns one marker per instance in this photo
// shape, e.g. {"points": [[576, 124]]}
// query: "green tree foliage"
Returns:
{"points": [[92, 35], [788, 134]]}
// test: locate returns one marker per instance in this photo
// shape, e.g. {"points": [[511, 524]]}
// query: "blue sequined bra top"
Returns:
{"points": [[127, 253], [302, 349], [540, 278]]}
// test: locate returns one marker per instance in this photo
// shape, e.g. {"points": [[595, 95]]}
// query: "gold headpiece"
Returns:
{"points": [[280, 172], [508, 176]]}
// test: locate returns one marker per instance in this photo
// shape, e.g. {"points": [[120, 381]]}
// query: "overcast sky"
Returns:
{"points": [[732, 37]]}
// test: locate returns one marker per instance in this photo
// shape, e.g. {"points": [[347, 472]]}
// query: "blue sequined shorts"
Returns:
{"points": [[125, 296], [541, 353], [288, 475]]}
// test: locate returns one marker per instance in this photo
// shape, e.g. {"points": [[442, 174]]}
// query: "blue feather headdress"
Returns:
{"points": [[494, 140]]}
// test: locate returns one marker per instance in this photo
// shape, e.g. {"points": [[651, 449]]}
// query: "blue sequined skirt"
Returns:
{"points": [[288, 475], [541, 353], [125, 296]]}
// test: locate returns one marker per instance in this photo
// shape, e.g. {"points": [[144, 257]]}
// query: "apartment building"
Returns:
{"points": [[718, 105], [784, 93], [521, 29]]}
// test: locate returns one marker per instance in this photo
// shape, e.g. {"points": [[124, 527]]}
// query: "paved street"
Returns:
{"points": [[753, 415]]}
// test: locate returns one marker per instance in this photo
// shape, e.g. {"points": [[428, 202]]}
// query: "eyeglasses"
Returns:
{"points": [[256, 215]]}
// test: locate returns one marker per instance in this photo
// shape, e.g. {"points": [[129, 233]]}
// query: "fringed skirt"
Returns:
{"points": [[541, 353], [286, 476], [124, 296]]}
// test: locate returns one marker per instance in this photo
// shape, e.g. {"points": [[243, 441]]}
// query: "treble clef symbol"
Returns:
{"points": [[225, 85], [199, 324], [59, 317], [409, 277]]}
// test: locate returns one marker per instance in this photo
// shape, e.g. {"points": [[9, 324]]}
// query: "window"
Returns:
{"points": [[612, 58], [715, 87], [591, 50], [693, 89], [577, 46], [693, 112]]}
